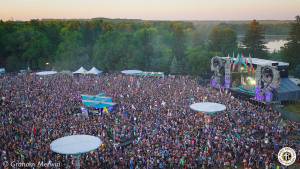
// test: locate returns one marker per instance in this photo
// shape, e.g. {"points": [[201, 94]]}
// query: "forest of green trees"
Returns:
{"points": [[112, 45]]}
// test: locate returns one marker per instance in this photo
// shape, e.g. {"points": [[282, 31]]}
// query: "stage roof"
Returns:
{"points": [[264, 62]]}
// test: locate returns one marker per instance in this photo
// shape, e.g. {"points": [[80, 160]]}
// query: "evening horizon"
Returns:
{"points": [[214, 10]]}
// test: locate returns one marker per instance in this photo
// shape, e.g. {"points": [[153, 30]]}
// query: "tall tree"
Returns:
{"points": [[29, 46], [114, 50], [71, 52], [174, 66], [179, 46], [145, 41], [2, 50], [223, 39], [254, 40], [198, 59], [291, 50]]}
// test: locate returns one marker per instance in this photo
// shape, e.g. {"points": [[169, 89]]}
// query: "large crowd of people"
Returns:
{"points": [[152, 125]]}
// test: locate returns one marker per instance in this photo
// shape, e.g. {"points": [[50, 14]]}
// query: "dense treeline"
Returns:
{"points": [[156, 46], [291, 50], [175, 47], [272, 27]]}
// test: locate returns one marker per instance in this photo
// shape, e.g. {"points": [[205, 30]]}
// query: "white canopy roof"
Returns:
{"points": [[295, 80], [131, 72], [75, 144], [2, 70], [68, 72], [44, 73], [208, 107], [81, 70], [263, 62], [94, 71]]}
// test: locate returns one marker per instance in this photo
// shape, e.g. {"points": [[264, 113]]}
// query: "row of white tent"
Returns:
{"points": [[81, 70], [95, 71]]}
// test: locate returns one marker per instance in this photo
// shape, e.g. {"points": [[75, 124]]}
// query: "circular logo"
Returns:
{"points": [[5, 163], [287, 156]]}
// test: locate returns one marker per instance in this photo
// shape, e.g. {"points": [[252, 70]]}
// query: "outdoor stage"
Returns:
{"points": [[260, 80]]}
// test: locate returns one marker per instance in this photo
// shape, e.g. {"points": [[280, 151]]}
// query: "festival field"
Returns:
{"points": [[150, 84], [152, 124]]}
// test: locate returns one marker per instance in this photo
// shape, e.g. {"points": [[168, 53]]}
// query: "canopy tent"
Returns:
{"points": [[81, 70], [94, 71], [2, 70], [132, 72], [97, 101], [96, 98], [156, 74], [67, 72], [45, 73], [142, 73], [103, 99], [105, 104], [75, 145], [90, 103], [97, 104], [87, 97]]}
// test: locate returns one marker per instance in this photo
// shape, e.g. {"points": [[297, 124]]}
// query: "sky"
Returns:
{"points": [[150, 9]]}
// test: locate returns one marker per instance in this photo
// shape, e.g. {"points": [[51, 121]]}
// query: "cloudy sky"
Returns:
{"points": [[151, 9]]}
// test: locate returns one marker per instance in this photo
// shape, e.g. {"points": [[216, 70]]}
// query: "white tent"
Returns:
{"points": [[45, 73], [81, 70], [94, 71], [2, 70], [75, 145], [132, 72], [67, 72]]}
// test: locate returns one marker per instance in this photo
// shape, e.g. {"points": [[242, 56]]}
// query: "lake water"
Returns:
{"points": [[275, 45], [273, 42]]}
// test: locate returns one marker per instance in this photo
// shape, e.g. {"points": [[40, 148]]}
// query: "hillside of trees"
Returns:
{"points": [[112, 45]]}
